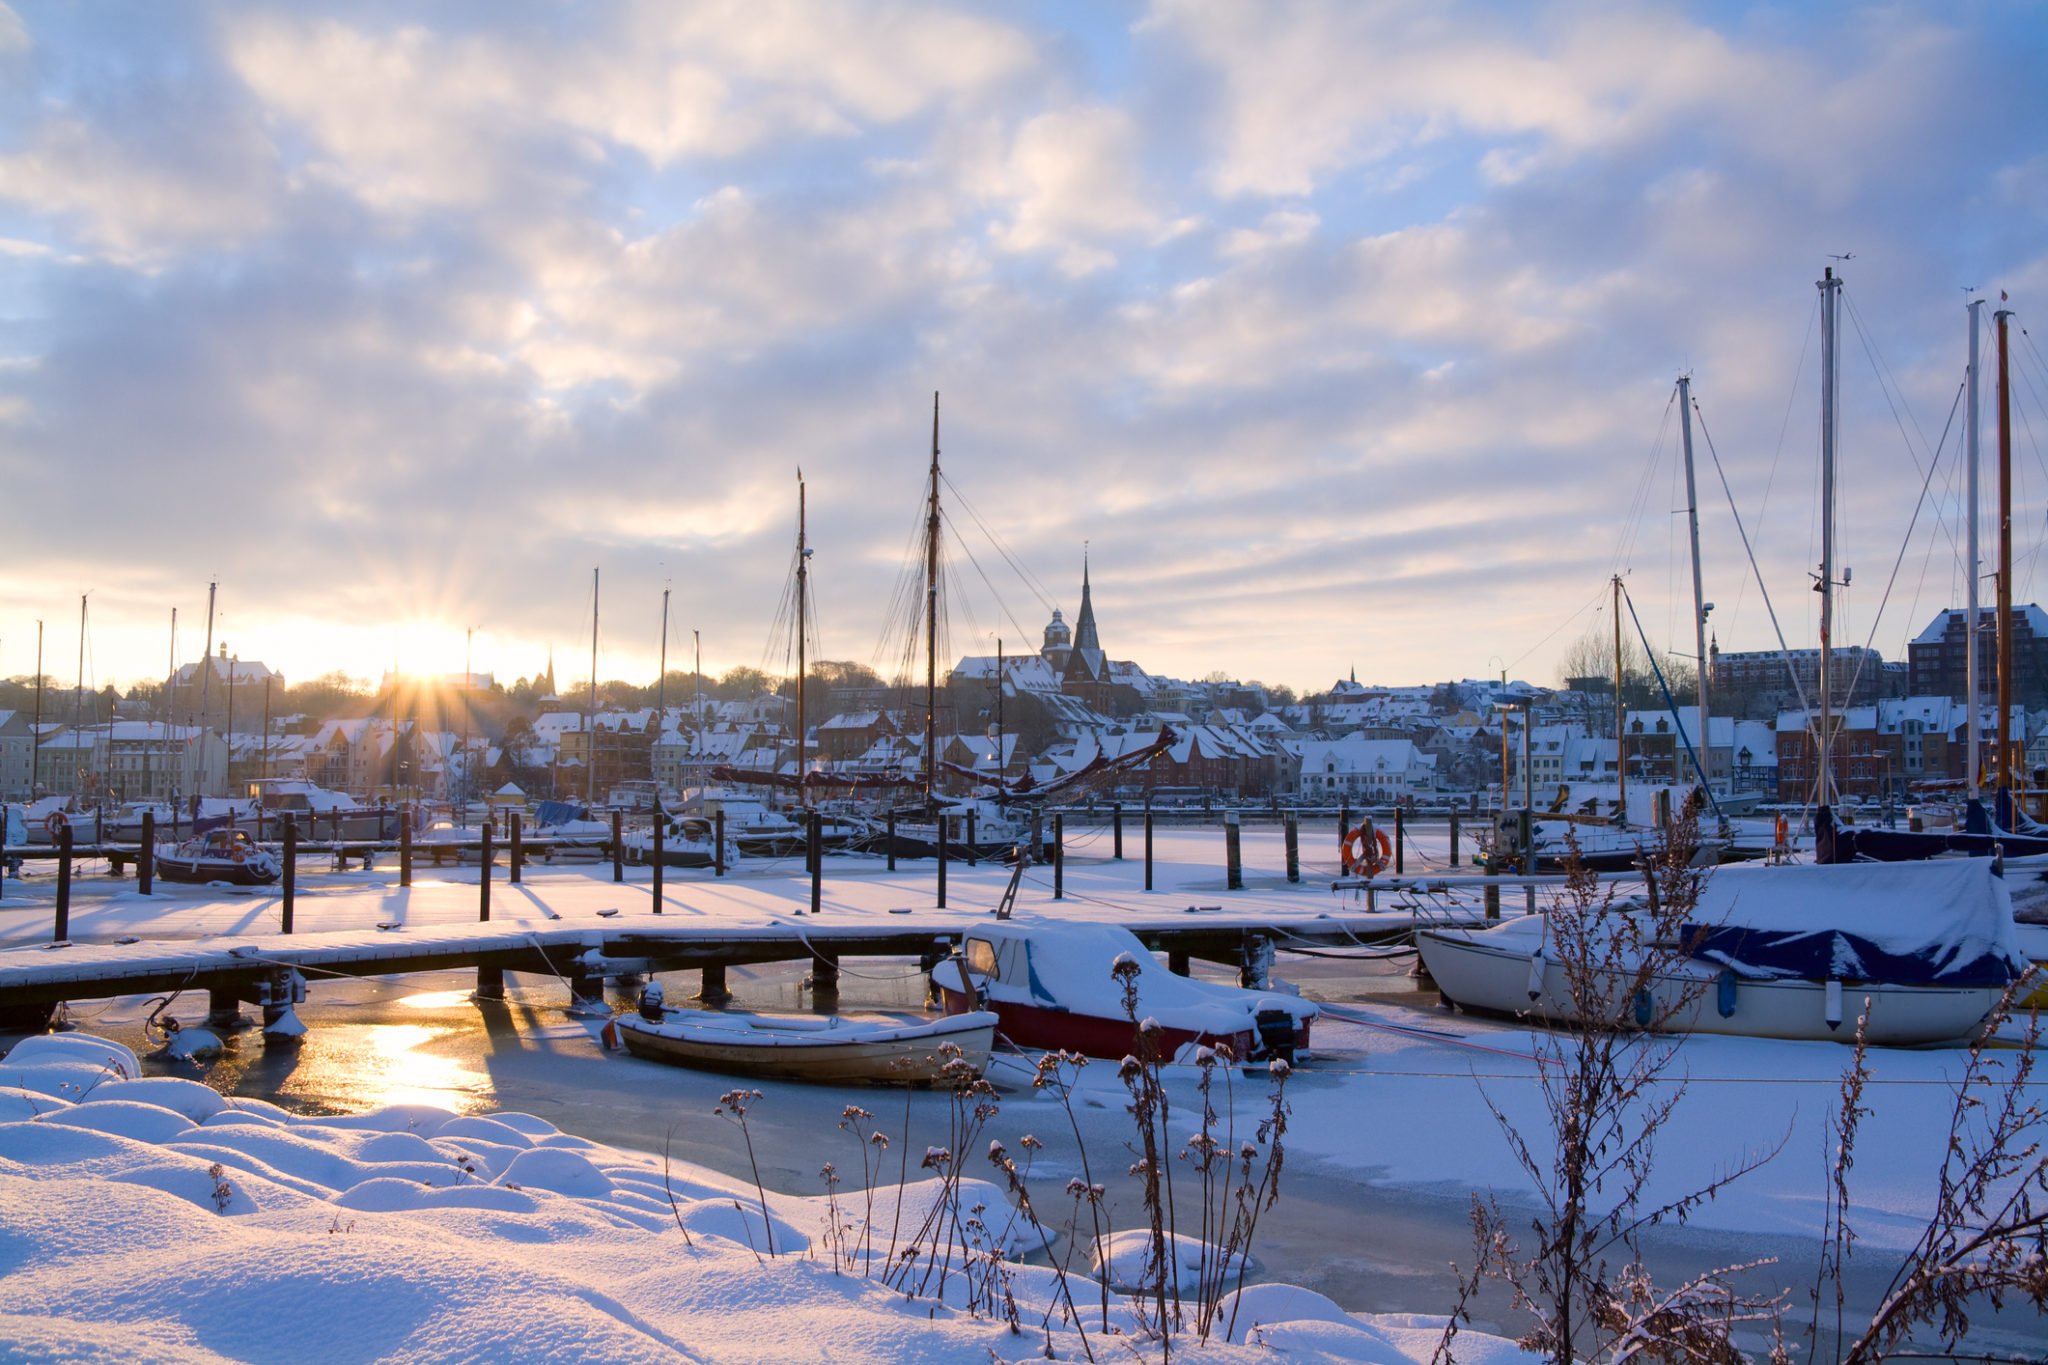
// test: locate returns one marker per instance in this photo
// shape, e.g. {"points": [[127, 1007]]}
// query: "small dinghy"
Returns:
{"points": [[831, 1049], [219, 855]]}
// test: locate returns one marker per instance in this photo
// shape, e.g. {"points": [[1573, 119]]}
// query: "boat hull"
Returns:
{"points": [[203, 871], [913, 1055], [1484, 978]]}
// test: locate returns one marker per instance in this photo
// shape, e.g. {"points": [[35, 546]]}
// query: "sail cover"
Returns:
{"points": [[1946, 922]]}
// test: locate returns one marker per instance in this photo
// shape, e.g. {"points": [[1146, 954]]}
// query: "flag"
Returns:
{"points": [[2001, 296]]}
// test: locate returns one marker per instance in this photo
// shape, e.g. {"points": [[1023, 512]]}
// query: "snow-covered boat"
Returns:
{"points": [[974, 829], [685, 842], [1785, 952], [320, 813], [219, 855], [762, 832], [47, 817], [832, 1049], [1052, 986]]}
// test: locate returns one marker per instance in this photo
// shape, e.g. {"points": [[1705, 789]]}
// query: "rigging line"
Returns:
{"points": [[1672, 702], [1783, 649], [1920, 503], [1784, 427], [1624, 546], [1591, 602], [1885, 387], [1001, 605], [1030, 579]]}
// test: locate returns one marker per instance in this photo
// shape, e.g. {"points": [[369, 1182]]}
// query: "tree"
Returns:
{"points": [[1588, 664], [742, 683]]}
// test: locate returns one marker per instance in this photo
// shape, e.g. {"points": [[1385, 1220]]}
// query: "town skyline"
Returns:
{"points": [[1339, 336]]}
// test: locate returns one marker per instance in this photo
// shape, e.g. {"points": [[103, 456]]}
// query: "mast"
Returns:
{"points": [[1699, 602], [1973, 562], [266, 726], [1830, 294], [205, 676], [590, 710], [697, 672], [231, 714], [462, 696], [2004, 559], [170, 704], [660, 690], [35, 760], [931, 620], [1620, 767], [1002, 766], [803, 555], [78, 691]]}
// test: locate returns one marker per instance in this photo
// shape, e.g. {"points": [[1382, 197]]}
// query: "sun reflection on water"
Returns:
{"points": [[370, 1066]]}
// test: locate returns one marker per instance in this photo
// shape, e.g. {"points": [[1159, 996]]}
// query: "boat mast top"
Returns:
{"points": [[803, 592], [590, 710], [2004, 557], [661, 677], [1700, 606], [1830, 295], [1973, 564], [1620, 767], [931, 621]]}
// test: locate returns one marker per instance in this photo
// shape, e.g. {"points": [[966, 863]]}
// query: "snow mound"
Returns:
{"points": [[195, 1101], [1129, 1255], [543, 1168], [123, 1118]]}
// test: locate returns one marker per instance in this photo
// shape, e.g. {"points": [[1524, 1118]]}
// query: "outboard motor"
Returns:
{"points": [[1276, 1034], [650, 1002]]}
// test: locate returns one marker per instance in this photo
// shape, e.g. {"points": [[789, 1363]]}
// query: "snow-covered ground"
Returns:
{"points": [[1390, 1130]]}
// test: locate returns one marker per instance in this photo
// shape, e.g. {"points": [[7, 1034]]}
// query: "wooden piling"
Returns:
{"points": [[1400, 839], [518, 833], [1454, 836], [970, 836], [1148, 848], [290, 880], [1177, 961], [1343, 821], [718, 842], [713, 990], [660, 854], [483, 880], [1233, 853], [1116, 824], [939, 821], [618, 846], [145, 866], [825, 983], [1059, 856], [814, 853], [490, 983], [405, 847], [63, 925], [889, 839], [1293, 831]]}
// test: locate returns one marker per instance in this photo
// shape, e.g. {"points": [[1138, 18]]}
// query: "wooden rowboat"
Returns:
{"points": [[831, 1049]]}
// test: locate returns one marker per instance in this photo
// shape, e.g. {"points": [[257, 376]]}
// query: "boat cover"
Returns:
{"points": [[1945, 922], [559, 813]]}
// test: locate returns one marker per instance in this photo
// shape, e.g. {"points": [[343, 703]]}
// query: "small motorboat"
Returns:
{"points": [[219, 855], [1784, 952], [685, 842], [831, 1049], [1053, 987]]}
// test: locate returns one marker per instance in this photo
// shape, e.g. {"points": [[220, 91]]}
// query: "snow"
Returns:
{"points": [[153, 1219]]}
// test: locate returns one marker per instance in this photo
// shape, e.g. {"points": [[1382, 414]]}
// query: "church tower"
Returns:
{"points": [[1084, 624], [1059, 643]]}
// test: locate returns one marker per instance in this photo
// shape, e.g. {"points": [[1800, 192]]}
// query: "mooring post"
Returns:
{"points": [[1293, 831], [1148, 847], [1116, 824], [1059, 856], [660, 855], [1256, 964], [145, 864], [618, 846], [1343, 821], [939, 819], [483, 880], [490, 983], [1454, 836], [814, 850], [889, 839], [1037, 832], [1177, 961], [63, 927], [1526, 835], [223, 1009], [405, 846], [1233, 853], [970, 835], [518, 847], [718, 842], [825, 983], [1400, 839], [290, 882], [586, 994], [713, 991]]}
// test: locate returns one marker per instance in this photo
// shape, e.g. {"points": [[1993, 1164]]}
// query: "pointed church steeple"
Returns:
{"points": [[1084, 624]]}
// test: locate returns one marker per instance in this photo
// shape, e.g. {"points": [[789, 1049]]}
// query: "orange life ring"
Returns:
{"points": [[54, 823], [1366, 850], [1781, 830], [239, 854]]}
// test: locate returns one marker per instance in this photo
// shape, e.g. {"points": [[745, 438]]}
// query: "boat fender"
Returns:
{"points": [[54, 825], [609, 1035], [1834, 1004], [1724, 992], [1536, 974], [239, 855], [1645, 1008]]}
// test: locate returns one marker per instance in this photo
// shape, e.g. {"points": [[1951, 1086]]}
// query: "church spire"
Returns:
{"points": [[1084, 624]]}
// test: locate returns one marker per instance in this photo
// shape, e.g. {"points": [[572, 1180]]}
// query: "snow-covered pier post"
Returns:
{"points": [[1116, 824], [1400, 839], [718, 842], [405, 847], [1148, 845], [519, 855], [1454, 836], [63, 925], [145, 866], [483, 881], [1293, 832], [940, 821], [1255, 966], [660, 854], [619, 845], [1059, 856], [289, 881], [1233, 853], [814, 854]]}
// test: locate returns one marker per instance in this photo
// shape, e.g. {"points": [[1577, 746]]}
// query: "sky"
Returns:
{"points": [[1338, 336]]}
